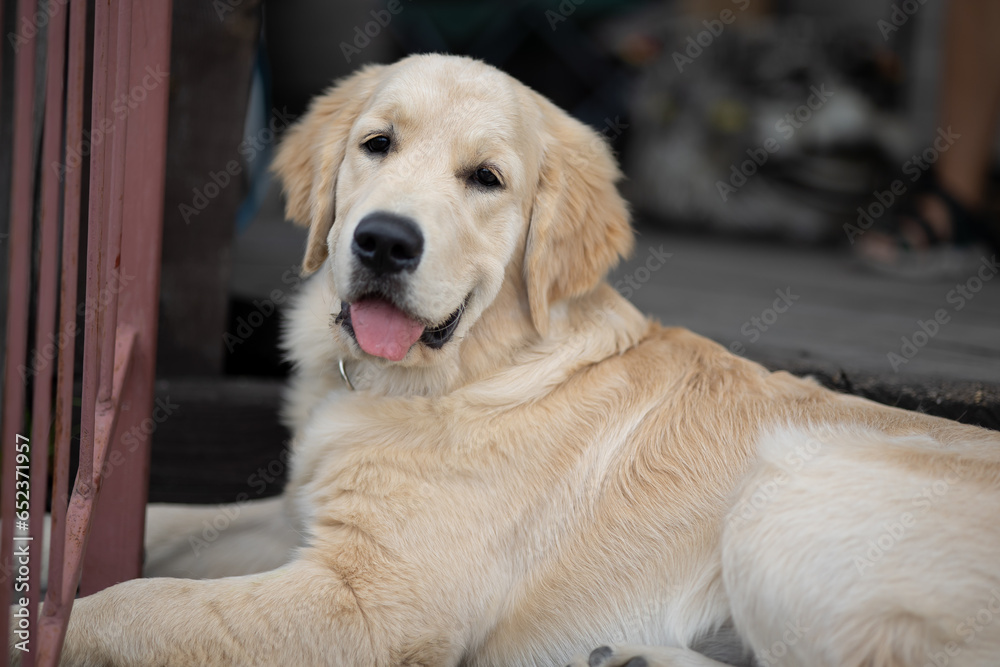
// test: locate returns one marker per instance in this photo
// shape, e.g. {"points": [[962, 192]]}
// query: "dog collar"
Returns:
{"points": [[343, 374]]}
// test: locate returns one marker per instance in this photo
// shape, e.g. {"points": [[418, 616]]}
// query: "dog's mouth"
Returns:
{"points": [[382, 329]]}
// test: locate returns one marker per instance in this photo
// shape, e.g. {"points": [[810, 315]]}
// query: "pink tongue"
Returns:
{"points": [[383, 330]]}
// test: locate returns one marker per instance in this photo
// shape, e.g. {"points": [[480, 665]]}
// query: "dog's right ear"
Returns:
{"points": [[310, 156]]}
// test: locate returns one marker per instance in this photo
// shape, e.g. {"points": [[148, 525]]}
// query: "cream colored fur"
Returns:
{"points": [[564, 474]]}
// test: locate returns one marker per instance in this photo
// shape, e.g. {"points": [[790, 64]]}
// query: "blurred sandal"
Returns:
{"points": [[934, 236]]}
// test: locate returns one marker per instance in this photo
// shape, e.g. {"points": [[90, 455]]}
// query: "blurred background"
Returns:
{"points": [[764, 143]]}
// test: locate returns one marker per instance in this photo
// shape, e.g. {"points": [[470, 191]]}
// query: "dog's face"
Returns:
{"points": [[430, 203], [428, 186]]}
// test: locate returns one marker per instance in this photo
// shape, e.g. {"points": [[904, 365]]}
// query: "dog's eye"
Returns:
{"points": [[486, 177], [379, 144]]}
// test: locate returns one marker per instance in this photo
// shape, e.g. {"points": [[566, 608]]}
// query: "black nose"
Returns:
{"points": [[388, 243]]}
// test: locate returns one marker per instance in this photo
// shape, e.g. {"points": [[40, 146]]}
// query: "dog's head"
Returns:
{"points": [[436, 185]]}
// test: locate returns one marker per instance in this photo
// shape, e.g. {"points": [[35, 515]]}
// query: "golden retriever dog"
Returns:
{"points": [[499, 461]]}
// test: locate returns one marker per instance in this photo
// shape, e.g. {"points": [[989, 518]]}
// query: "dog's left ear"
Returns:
{"points": [[579, 227], [310, 155]]}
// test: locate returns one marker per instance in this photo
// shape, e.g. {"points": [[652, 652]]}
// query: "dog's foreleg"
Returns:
{"points": [[300, 614]]}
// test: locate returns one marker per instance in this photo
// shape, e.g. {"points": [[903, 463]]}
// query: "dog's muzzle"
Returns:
{"points": [[386, 245]]}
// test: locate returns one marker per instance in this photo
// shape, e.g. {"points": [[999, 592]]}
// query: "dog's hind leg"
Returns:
{"points": [[213, 541], [861, 549]]}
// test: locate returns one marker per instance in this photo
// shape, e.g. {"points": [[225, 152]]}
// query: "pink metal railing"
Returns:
{"points": [[123, 241], [18, 298]]}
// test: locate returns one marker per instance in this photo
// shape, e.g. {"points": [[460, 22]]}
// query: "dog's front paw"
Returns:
{"points": [[611, 656], [619, 655]]}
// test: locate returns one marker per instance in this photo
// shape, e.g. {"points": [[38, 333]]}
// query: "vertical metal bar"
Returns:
{"points": [[109, 315], [110, 366], [75, 75], [45, 341], [18, 286], [115, 552], [77, 518], [76, 536]]}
